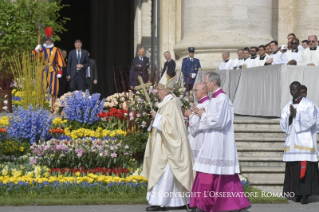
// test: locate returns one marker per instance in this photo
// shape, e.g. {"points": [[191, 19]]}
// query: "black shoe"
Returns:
{"points": [[180, 207], [156, 208], [304, 200], [298, 199]]}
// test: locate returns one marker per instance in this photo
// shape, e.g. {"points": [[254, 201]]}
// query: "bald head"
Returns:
{"points": [[313, 40], [141, 52], [200, 90]]}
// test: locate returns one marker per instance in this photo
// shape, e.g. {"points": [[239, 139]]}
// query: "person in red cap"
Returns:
{"points": [[53, 64]]}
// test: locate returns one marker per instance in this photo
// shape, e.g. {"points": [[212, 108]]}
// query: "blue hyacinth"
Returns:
{"points": [[31, 124], [83, 109]]}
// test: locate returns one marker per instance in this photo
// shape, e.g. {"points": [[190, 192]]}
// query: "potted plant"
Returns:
{"points": [[6, 81]]}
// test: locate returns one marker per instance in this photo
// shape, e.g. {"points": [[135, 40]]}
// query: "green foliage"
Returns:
{"points": [[137, 143], [19, 22]]}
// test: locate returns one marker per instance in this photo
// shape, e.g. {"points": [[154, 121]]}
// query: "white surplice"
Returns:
{"points": [[290, 55], [309, 56], [301, 138], [262, 62], [226, 65], [246, 62], [196, 136], [276, 58], [236, 63], [252, 62], [218, 154]]}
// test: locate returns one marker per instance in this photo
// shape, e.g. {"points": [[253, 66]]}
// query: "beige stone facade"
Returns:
{"points": [[212, 26]]}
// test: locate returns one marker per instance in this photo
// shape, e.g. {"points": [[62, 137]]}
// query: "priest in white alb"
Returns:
{"points": [[310, 56], [227, 62], [168, 158], [237, 62], [196, 136], [291, 56], [253, 57], [298, 121], [217, 164], [263, 56], [246, 60]]}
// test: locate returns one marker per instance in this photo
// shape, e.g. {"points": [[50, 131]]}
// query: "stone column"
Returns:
{"points": [[306, 18], [212, 26], [170, 27]]}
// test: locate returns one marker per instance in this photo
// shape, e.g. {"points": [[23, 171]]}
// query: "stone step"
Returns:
{"points": [[259, 134], [251, 161], [256, 130], [260, 151], [262, 169], [259, 122], [248, 126], [276, 179], [259, 139]]}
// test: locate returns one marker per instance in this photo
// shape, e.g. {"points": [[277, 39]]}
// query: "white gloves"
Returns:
{"points": [[193, 75], [37, 48], [59, 75]]}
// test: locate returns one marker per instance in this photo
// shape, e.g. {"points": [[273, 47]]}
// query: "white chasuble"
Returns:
{"points": [[218, 154], [195, 135], [301, 138], [168, 158]]}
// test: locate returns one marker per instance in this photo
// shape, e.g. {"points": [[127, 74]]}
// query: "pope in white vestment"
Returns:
{"points": [[298, 121], [167, 160], [217, 164]]}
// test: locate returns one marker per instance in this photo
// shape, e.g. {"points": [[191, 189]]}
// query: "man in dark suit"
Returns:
{"points": [[140, 66], [190, 68], [91, 75], [78, 61], [169, 65], [63, 81]]}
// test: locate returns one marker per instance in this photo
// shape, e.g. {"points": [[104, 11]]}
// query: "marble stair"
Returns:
{"points": [[260, 152]]}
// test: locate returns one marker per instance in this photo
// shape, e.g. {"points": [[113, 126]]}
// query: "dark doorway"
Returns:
{"points": [[106, 28]]}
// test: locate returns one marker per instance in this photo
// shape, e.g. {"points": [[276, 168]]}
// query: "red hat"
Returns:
{"points": [[48, 33]]}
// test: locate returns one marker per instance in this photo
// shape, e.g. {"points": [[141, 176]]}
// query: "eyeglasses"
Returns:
{"points": [[311, 41], [294, 43]]}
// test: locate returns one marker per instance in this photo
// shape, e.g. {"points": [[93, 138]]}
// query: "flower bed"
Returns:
{"points": [[26, 179], [88, 152]]}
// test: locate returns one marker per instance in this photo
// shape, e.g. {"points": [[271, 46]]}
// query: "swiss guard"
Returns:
{"points": [[53, 64], [190, 68]]}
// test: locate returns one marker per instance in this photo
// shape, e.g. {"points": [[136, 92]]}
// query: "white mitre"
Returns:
{"points": [[168, 82]]}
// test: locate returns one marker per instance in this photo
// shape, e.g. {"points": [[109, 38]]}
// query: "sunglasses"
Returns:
{"points": [[311, 41], [293, 43]]}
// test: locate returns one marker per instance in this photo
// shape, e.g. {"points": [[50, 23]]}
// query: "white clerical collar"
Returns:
{"points": [[217, 89], [48, 46]]}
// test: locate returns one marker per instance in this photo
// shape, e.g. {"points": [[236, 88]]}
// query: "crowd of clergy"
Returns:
{"points": [[295, 52]]}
